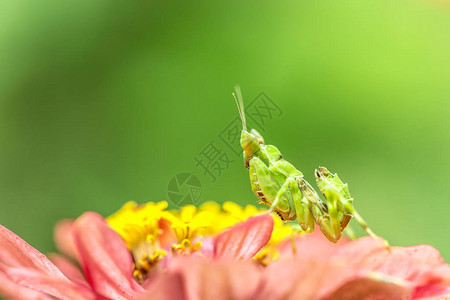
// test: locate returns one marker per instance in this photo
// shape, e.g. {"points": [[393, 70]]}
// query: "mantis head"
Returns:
{"points": [[251, 141], [331, 185]]}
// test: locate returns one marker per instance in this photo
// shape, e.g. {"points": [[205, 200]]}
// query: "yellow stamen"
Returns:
{"points": [[141, 226]]}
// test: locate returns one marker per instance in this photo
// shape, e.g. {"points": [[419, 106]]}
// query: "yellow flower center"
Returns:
{"points": [[150, 230], [139, 227]]}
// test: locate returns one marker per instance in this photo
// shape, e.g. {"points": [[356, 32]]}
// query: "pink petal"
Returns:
{"points": [[428, 265], [166, 286], [432, 292], [302, 278], [69, 269], [366, 252], [61, 289], [420, 265], [27, 267], [207, 249], [105, 258], [354, 270], [313, 245], [364, 287], [244, 240], [15, 252], [394, 262], [283, 276], [12, 290], [425, 254], [63, 238], [198, 279]]}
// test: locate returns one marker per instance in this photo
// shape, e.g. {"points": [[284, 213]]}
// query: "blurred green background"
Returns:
{"points": [[103, 102]]}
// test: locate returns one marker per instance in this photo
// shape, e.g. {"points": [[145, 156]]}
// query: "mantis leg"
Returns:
{"points": [[280, 194], [268, 188], [331, 225], [348, 207], [363, 223], [350, 232], [302, 207], [359, 219]]}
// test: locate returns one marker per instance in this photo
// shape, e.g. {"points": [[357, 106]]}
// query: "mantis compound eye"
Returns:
{"points": [[323, 173], [257, 135]]}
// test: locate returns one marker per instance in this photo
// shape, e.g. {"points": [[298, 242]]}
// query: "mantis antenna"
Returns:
{"points": [[240, 105]]}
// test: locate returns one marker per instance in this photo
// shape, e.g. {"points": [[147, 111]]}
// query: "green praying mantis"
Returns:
{"points": [[278, 184]]}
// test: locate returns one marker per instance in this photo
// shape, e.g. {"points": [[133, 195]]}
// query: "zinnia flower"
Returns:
{"points": [[212, 252]]}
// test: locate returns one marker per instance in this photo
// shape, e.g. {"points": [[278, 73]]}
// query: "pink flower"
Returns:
{"points": [[365, 268], [362, 269], [106, 261], [28, 274], [224, 265]]}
